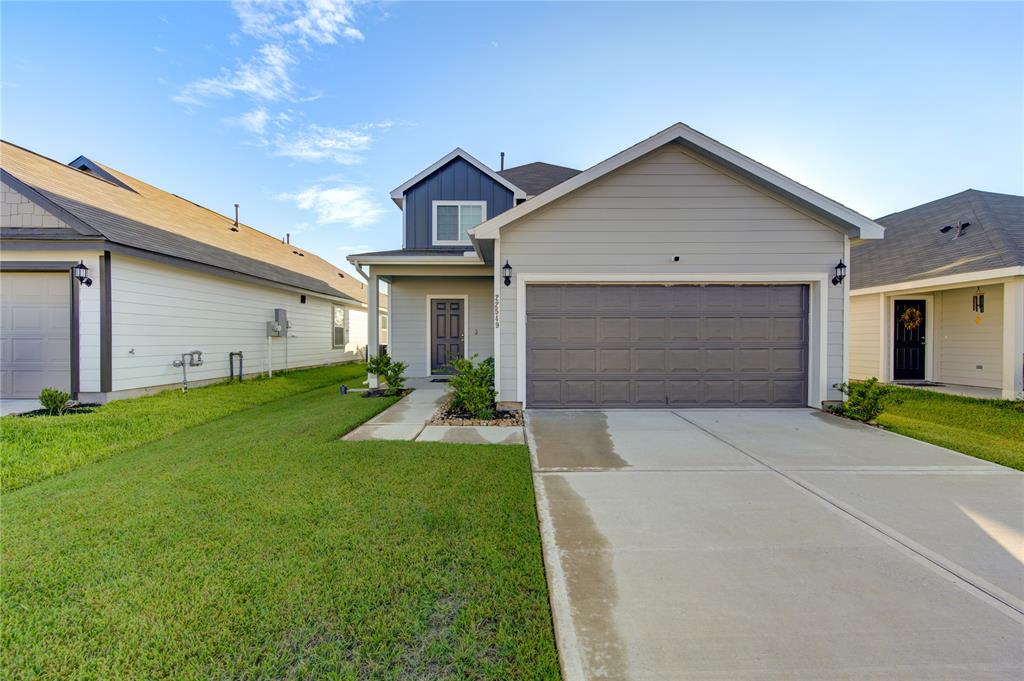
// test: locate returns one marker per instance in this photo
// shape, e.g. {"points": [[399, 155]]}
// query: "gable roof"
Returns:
{"points": [[815, 203], [126, 211], [915, 248], [537, 178], [398, 193]]}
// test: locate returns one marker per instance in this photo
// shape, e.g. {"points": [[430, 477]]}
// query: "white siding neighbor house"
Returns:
{"points": [[941, 300], [677, 272], [106, 281]]}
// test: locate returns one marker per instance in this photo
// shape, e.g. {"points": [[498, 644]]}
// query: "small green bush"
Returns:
{"points": [[54, 401], [865, 400], [473, 387], [392, 372]]}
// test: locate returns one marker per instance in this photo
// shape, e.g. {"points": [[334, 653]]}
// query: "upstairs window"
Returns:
{"points": [[454, 219]]}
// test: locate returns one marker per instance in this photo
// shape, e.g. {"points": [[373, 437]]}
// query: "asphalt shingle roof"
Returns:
{"points": [[915, 248], [145, 217], [535, 178]]}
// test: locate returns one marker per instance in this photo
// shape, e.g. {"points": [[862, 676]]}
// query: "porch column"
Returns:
{"points": [[1013, 339], [372, 322]]}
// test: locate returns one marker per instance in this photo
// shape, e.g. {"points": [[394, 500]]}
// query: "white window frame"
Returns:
{"points": [[344, 326], [456, 242]]}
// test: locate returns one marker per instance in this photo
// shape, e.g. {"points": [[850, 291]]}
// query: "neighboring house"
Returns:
{"points": [[677, 272], [942, 297], [163, 276]]}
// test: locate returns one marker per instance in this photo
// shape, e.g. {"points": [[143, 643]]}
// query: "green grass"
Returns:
{"points": [[260, 546], [40, 447], [988, 429]]}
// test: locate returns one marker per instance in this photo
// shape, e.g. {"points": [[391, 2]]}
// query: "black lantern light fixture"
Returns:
{"points": [[507, 271], [81, 273], [840, 273]]}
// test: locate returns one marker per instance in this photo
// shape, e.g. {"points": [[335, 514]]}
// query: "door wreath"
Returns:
{"points": [[911, 318]]}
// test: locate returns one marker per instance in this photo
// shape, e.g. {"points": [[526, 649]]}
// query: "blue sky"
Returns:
{"points": [[309, 113]]}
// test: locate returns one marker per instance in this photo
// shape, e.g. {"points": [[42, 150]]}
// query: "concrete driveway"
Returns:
{"points": [[774, 544]]}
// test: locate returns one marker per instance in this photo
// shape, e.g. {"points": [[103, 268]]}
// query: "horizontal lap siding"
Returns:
{"points": [[409, 322], [160, 312], [965, 344], [669, 203], [865, 336]]}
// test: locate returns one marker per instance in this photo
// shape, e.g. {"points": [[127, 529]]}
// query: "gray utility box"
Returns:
{"points": [[279, 326]]}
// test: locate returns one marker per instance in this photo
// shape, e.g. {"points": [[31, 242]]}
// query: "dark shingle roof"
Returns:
{"points": [[535, 178], [914, 248]]}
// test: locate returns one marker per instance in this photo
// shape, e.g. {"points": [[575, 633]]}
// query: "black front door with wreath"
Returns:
{"points": [[908, 341]]}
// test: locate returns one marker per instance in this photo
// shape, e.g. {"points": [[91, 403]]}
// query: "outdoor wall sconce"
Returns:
{"points": [[978, 301], [840, 273], [81, 273], [507, 271]]}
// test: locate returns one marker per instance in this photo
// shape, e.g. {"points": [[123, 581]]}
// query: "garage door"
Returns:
{"points": [[35, 333], [615, 346]]}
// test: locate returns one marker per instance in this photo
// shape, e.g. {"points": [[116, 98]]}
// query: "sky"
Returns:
{"points": [[309, 113]]}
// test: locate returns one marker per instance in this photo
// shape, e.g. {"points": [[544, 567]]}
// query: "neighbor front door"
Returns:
{"points": [[908, 341], [447, 326]]}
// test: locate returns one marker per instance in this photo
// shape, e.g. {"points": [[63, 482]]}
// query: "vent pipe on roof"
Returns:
{"points": [[235, 227], [287, 237], [503, 160]]}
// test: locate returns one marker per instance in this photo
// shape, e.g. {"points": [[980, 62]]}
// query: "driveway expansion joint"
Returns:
{"points": [[978, 587]]}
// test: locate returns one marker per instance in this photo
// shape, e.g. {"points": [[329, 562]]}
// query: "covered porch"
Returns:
{"points": [[963, 337], [437, 312]]}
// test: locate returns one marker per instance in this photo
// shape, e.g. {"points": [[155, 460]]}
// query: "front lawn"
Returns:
{"points": [[39, 447], [261, 546], [988, 429]]}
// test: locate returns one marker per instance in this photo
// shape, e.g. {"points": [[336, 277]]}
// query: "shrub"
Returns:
{"points": [[473, 387], [54, 401], [388, 369], [865, 400]]}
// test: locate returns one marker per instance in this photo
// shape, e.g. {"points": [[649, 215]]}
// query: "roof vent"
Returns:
{"points": [[301, 255], [234, 228], [503, 160], [961, 230]]}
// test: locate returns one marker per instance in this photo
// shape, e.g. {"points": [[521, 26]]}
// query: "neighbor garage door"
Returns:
{"points": [[35, 333], [666, 345]]}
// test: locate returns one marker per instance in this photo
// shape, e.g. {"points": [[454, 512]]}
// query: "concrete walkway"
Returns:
{"points": [[8, 407], [774, 544], [407, 420]]}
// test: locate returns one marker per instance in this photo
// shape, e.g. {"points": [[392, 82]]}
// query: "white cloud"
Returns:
{"points": [[255, 121], [319, 21], [351, 205], [264, 77], [319, 143], [358, 248]]}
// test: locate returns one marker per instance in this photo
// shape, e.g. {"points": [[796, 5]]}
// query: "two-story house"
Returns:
{"points": [[678, 272]]}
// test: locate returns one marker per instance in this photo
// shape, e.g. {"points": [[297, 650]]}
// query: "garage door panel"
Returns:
{"points": [[650, 393], [650, 328], [685, 393], [657, 345], [579, 330], [648, 361], [720, 328], [576, 360], [615, 360]]}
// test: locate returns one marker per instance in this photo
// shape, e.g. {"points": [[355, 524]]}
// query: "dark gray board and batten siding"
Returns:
{"points": [[457, 180]]}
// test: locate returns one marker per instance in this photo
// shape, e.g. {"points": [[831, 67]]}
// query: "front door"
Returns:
{"points": [[446, 332], [908, 341]]}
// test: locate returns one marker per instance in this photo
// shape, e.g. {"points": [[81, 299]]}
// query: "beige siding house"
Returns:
{"points": [[941, 300], [157, 276], [676, 273]]}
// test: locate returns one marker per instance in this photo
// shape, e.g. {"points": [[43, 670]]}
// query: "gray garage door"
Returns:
{"points": [[35, 333], [617, 346]]}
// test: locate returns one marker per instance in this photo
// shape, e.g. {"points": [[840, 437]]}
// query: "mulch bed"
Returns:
{"points": [[448, 416], [383, 392], [79, 409]]}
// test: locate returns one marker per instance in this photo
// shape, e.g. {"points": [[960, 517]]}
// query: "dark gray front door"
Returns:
{"points": [[447, 335], [683, 345], [908, 341]]}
